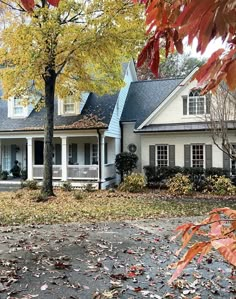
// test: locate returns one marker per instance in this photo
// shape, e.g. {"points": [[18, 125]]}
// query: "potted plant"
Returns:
{"points": [[4, 175], [24, 174], [16, 170]]}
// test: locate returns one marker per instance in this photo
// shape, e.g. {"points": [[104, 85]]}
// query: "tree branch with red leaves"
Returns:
{"points": [[169, 22], [221, 225]]}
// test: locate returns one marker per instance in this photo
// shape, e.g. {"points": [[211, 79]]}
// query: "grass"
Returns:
{"points": [[21, 207]]}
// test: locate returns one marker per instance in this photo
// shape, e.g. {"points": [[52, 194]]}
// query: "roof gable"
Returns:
{"points": [[145, 96]]}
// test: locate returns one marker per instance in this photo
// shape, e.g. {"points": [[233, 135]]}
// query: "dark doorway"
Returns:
{"points": [[38, 152]]}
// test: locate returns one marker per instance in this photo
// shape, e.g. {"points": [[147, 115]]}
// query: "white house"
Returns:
{"points": [[164, 122], [87, 137]]}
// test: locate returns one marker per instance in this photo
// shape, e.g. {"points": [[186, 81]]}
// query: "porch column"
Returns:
{"points": [[0, 155], [102, 157], [30, 158], [64, 157]]}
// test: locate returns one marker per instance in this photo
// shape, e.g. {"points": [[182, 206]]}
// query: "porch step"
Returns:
{"points": [[9, 187]]}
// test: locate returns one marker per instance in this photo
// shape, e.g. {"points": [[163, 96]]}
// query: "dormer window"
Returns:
{"points": [[196, 104], [18, 108], [69, 107]]}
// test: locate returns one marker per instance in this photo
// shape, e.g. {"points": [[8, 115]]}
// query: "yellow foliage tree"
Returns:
{"points": [[76, 47]]}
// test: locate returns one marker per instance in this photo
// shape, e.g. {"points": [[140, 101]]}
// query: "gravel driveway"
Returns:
{"points": [[106, 260]]}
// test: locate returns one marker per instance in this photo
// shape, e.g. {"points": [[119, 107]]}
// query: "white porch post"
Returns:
{"points": [[64, 157], [102, 157], [0, 155], [30, 158]]}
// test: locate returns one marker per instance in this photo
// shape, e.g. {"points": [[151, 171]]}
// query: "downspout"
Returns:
{"points": [[121, 137], [99, 160]]}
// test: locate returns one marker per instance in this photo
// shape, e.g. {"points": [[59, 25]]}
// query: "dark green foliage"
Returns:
{"points": [[31, 185], [156, 176], [126, 162], [66, 186], [24, 174], [4, 175], [16, 170]]}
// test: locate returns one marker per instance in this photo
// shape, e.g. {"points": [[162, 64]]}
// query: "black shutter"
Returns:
{"points": [[208, 103], [226, 163], [172, 155], [106, 153], [208, 156], [58, 154], [152, 157], [185, 99], [74, 153], [87, 153], [187, 155], [13, 154]]}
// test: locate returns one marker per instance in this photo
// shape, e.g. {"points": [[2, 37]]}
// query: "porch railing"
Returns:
{"points": [[82, 172], [109, 171], [38, 172]]}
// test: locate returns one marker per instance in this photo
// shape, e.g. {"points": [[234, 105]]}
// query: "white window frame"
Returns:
{"points": [[195, 96], [68, 102], [156, 155], [204, 156], [17, 104]]}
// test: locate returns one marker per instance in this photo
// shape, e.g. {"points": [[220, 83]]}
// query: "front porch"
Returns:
{"points": [[77, 159]]}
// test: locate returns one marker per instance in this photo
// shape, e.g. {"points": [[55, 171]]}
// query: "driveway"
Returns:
{"points": [[107, 260]]}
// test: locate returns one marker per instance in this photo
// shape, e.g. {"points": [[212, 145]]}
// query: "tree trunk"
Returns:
{"points": [[50, 81]]}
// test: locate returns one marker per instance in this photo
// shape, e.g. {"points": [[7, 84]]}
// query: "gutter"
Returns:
{"points": [[99, 161]]}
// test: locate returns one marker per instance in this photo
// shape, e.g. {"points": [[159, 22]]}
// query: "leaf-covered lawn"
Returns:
{"points": [[21, 207]]}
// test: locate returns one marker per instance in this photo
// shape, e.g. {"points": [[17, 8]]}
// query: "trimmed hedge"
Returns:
{"points": [[157, 176]]}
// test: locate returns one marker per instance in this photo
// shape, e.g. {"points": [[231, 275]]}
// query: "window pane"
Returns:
{"points": [[18, 110], [69, 108], [197, 155], [94, 154], [162, 155], [196, 104]]}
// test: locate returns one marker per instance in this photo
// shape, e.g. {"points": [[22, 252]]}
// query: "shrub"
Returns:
{"points": [[89, 188], [31, 185], [180, 184], [66, 186], [220, 185], [4, 175], [79, 195], [133, 183], [215, 171], [16, 170], [156, 175], [126, 162]]}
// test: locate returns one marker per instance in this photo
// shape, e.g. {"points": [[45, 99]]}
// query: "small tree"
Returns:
{"points": [[126, 163], [222, 118]]}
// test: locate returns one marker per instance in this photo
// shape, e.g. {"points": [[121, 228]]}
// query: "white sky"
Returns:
{"points": [[212, 47]]}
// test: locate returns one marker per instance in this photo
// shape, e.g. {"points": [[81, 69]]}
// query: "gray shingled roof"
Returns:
{"points": [[101, 108], [145, 96], [183, 127]]}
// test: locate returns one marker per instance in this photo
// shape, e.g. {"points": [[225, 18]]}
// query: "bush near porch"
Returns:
{"points": [[79, 206]]}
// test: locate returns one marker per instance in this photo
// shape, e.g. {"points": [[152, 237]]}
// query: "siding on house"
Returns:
{"points": [[172, 111], [179, 140], [114, 126]]}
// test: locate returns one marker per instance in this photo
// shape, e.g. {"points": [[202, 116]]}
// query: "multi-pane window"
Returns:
{"points": [[196, 103], [69, 106], [162, 155], [198, 155], [94, 154], [18, 108]]}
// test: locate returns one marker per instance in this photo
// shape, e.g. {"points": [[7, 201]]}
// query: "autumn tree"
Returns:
{"points": [[175, 65], [169, 22], [65, 50]]}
